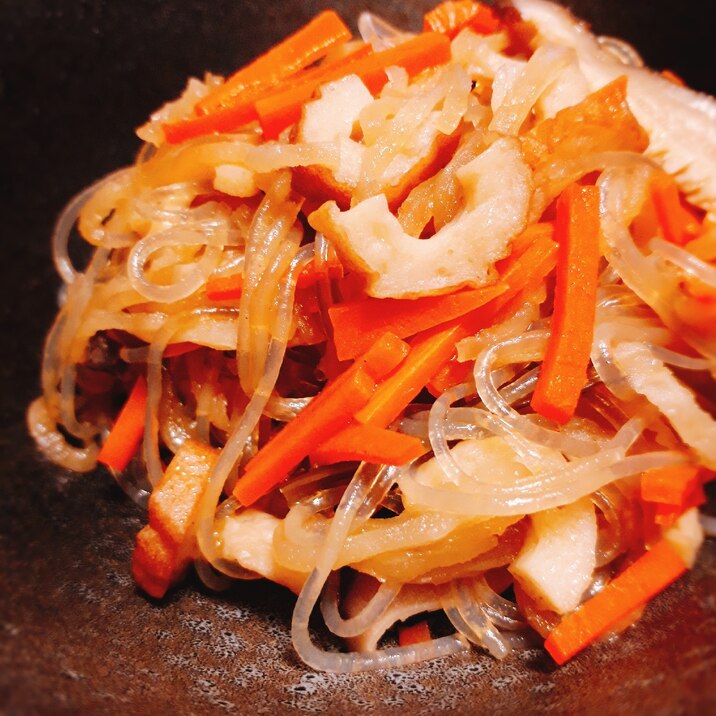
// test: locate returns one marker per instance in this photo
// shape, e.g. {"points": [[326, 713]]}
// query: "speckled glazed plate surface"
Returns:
{"points": [[75, 636]]}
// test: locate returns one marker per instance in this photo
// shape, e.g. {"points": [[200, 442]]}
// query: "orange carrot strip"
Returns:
{"points": [[388, 350], [677, 223], [222, 120], [673, 77], [451, 374], [453, 15], [669, 485], [358, 323], [282, 109], [415, 55], [307, 45], [533, 234], [645, 225], [532, 258], [432, 349], [414, 634], [667, 514], [448, 17], [225, 288], [386, 354], [242, 110], [635, 586], [564, 369], [523, 273], [429, 351], [330, 411], [704, 247], [228, 288], [368, 443], [352, 287], [127, 431], [163, 549], [306, 302], [484, 21]]}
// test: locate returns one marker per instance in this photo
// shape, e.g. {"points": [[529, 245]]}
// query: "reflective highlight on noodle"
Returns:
{"points": [[420, 326]]}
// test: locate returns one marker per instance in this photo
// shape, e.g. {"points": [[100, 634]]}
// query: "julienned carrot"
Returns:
{"points": [[228, 288], [523, 271], [330, 411], [665, 514], [635, 586], [414, 634], [669, 485], [432, 350], [454, 372], [358, 323], [307, 45], [535, 236], [449, 16], [564, 368], [327, 413], [533, 257], [352, 287], [367, 443], [225, 288], [243, 108], [673, 77], [127, 431], [453, 15], [163, 548], [225, 119], [677, 223], [282, 109], [429, 351], [704, 247], [386, 354]]}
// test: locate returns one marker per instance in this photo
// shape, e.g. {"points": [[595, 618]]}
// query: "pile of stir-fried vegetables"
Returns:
{"points": [[412, 324]]}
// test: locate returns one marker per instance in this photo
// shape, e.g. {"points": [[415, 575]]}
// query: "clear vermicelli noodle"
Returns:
{"points": [[420, 326]]}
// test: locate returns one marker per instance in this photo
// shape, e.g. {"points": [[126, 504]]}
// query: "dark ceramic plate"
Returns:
{"points": [[75, 637]]}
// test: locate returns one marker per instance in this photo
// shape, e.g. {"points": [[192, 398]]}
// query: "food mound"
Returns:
{"points": [[420, 326]]}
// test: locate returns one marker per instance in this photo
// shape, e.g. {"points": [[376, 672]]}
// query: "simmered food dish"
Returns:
{"points": [[420, 326]]}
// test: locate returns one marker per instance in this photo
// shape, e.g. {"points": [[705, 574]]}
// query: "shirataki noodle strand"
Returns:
{"points": [[358, 492], [237, 440]]}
